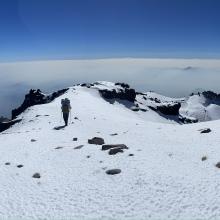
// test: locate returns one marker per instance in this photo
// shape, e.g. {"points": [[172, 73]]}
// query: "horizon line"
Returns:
{"points": [[111, 58]]}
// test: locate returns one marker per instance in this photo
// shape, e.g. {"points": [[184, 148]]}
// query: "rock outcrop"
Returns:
{"points": [[36, 97], [123, 93], [5, 125]]}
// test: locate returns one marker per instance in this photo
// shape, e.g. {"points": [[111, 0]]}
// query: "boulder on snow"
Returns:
{"points": [[36, 175], [113, 171], [111, 146], [78, 147], [205, 130], [75, 139], [33, 140], [218, 165], [116, 150], [114, 134], [204, 158], [96, 141]]}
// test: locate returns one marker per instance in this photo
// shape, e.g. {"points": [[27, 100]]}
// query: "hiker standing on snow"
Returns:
{"points": [[66, 108]]}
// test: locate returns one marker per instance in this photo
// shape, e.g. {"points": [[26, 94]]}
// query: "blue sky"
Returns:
{"points": [[80, 29]]}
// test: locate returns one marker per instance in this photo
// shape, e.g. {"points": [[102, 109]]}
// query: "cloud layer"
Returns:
{"points": [[172, 77]]}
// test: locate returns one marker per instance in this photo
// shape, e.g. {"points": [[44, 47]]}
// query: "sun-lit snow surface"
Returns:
{"points": [[197, 106], [165, 179]]}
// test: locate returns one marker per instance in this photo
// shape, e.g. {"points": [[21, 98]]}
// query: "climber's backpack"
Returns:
{"points": [[65, 105]]}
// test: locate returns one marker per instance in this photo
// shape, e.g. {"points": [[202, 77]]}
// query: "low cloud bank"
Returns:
{"points": [[171, 77]]}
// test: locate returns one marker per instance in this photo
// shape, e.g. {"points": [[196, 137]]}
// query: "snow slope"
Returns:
{"points": [[165, 179], [201, 108]]}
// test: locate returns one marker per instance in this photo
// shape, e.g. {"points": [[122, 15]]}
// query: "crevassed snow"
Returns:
{"points": [[165, 179]]}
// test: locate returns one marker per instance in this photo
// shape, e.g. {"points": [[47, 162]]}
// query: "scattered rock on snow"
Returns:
{"points": [[110, 146], [36, 175], [75, 139], [114, 134], [130, 155], [20, 166], [57, 148], [113, 171], [59, 127], [7, 163], [205, 130], [97, 141], [78, 147], [33, 140], [204, 158], [114, 151], [218, 165]]}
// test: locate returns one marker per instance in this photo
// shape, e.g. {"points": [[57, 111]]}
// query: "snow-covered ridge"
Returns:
{"points": [[164, 170], [149, 106]]}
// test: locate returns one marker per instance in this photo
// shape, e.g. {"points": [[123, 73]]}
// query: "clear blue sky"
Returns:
{"points": [[69, 29]]}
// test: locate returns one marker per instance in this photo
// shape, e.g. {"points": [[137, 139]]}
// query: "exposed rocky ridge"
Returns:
{"points": [[36, 97], [123, 93], [5, 125]]}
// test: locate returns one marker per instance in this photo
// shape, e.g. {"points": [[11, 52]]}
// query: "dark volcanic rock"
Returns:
{"points": [[123, 85], [114, 151], [20, 166], [5, 125], [211, 95], [126, 93], [114, 134], [36, 97], [204, 158], [170, 109], [36, 175], [167, 109], [218, 165], [97, 141], [112, 146], [113, 171], [206, 130], [78, 147], [57, 148], [187, 120]]}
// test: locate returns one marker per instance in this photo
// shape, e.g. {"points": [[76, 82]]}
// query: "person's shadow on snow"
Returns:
{"points": [[59, 127]]}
